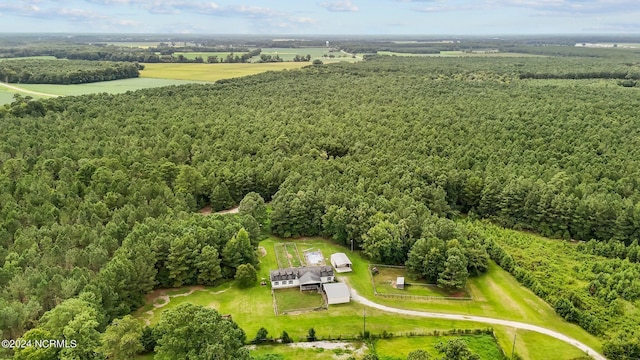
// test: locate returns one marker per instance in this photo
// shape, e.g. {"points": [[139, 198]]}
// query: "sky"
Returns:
{"points": [[366, 17]]}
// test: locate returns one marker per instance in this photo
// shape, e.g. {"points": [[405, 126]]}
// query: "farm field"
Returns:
{"points": [[111, 87], [497, 293], [204, 55], [287, 54], [460, 54], [399, 348], [212, 72], [43, 57]]}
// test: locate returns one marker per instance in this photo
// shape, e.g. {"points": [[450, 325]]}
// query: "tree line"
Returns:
{"points": [[34, 71]]}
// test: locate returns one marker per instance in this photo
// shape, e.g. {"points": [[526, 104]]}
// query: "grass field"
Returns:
{"points": [[460, 54], [205, 55], [400, 347], [212, 72], [111, 87], [496, 294], [385, 279], [287, 54], [293, 299], [354, 348], [43, 57]]}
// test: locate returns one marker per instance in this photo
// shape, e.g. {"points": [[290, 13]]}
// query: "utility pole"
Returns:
{"points": [[364, 322], [513, 349]]}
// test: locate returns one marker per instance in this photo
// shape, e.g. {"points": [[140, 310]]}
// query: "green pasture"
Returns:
{"points": [[455, 53], [385, 279], [111, 87], [204, 55], [287, 54], [293, 299], [400, 347], [212, 72], [496, 294], [42, 57]]}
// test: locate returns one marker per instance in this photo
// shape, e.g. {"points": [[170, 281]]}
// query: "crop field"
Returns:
{"points": [[111, 87], [289, 300], [385, 284], [212, 72], [287, 255], [496, 294], [400, 347]]}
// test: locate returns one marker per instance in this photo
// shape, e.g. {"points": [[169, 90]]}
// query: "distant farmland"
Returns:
{"points": [[212, 72]]}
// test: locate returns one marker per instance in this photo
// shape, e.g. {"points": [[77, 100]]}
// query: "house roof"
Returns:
{"points": [[340, 259], [400, 280], [336, 290], [297, 273], [309, 278]]}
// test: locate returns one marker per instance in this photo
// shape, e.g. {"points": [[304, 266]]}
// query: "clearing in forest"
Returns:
{"points": [[212, 72], [384, 282]]}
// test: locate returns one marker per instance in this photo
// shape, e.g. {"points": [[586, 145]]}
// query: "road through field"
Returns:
{"points": [[26, 91], [514, 324]]}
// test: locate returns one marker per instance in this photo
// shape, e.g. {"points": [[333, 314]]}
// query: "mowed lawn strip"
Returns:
{"points": [[212, 72], [400, 347], [293, 299]]}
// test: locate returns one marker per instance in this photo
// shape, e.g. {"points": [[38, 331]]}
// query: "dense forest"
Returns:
{"points": [[36, 71], [98, 193]]}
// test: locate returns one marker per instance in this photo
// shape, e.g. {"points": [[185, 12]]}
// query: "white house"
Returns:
{"points": [[337, 293], [341, 262], [306, 278]]}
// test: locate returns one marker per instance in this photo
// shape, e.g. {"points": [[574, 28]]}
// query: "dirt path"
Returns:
{"points": [[19, 89], [514, 324], [229, 211]]}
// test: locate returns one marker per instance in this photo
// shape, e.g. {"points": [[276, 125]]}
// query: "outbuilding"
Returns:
{"points": [[400, 282], [337, 293], [341, 262]]}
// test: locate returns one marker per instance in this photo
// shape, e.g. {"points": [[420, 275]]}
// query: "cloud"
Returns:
{"points": [[344, 6], [573, 7]]}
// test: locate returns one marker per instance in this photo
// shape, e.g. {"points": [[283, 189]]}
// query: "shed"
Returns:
{"points": [[400, 282], [341, 262], [337, 293]]}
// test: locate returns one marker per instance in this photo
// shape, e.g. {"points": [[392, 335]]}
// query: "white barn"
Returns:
{"points": [[341, 262], [337, 293]]}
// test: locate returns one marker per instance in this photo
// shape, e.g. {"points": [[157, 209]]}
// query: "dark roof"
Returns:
{"points": [[309, 278], [295, 273]]}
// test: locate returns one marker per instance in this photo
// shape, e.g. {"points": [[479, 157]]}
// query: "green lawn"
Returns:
{"points": [[400, 347], [496, 294], [293, 299], [386, 278]]}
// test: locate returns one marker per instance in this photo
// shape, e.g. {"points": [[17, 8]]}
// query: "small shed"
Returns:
{"points": [[337, 293], [400, 282], [341, 262]]}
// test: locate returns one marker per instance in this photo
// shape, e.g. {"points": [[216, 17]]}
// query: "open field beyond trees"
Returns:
{"points": [[213, 72]]}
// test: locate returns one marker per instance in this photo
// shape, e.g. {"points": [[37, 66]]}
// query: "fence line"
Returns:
{"points": [[417, 297]]}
